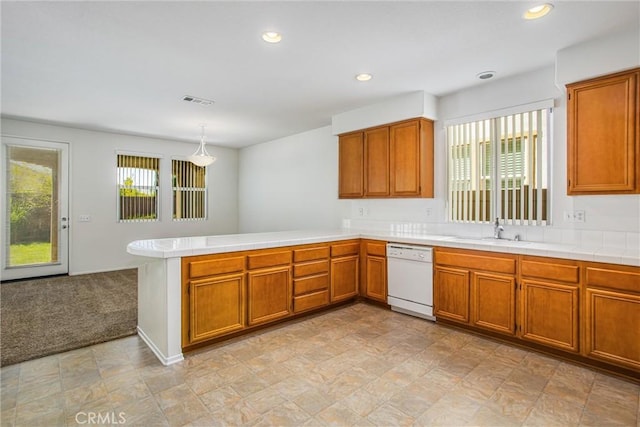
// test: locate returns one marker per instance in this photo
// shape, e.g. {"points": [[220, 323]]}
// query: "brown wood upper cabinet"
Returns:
{"points": [[376, 162], [394, 160], [351, 165], [603, 125]]}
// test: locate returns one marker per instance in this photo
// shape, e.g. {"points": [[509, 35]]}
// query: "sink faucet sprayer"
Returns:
{"points": [[497, 229]]}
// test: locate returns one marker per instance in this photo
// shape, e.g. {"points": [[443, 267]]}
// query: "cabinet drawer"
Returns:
{"points": [[269, 259], [614, 279], [310, 284], [506, 265], [310, 268], [215, 266], [379, 249], [343, 249], [310, 301], [550, 270], [310, 254]]}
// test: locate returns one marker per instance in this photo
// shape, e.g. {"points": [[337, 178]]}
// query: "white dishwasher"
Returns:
{"points": [[410, 279]]}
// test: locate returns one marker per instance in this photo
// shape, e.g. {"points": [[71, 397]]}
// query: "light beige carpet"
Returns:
{"points": [[51, 315]]}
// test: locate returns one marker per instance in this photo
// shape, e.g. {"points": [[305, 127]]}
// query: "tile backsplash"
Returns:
{"points": [[613, 241]]}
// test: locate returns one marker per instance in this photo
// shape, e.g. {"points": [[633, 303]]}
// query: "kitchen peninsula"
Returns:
{"points": [[582, 288]]}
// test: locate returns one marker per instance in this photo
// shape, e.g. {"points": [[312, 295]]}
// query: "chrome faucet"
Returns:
{"points": [[497, 229]]}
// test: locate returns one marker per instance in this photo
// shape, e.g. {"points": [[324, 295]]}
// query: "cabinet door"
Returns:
{"points": [[451, 291], [405, 159], [550, 314], [216, 306], [602, 121], [612, 331], [376, 278], [351, 165], [270, 295], [344, 277], [494, 302], [376, 161]]}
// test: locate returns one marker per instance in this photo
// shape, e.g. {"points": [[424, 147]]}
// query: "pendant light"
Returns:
{"points": [[201, 157]]}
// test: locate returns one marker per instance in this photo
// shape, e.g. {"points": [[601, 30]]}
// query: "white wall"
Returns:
{"points": [[291, 183], [618, 51], [608, 218], [275, 176], [401, 107], [100, 245]]}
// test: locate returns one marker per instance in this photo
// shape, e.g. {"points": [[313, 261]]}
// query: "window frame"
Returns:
{"points": [[174, 188], [158, 186], [500, 179]]}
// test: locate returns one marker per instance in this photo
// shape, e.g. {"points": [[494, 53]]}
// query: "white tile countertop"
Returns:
{"points": [[202, 245]]}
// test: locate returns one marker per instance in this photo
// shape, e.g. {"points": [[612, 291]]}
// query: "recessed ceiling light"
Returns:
{"points": [[485, 75], [271, 37], [538, 11], [363, 77]]}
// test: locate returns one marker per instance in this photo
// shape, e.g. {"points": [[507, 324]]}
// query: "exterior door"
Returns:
{"points": [[35, 220]]}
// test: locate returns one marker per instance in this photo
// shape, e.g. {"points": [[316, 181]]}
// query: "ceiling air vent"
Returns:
{"points": [[196, 100]]}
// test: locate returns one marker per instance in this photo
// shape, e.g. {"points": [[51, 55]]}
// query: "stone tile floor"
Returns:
{"points": [[356, 365]]}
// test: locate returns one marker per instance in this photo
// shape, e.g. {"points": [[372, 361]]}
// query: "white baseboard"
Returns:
{"points": [[164, 359]]}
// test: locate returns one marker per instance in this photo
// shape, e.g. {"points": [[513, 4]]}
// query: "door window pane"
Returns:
{"points": [[32, 206]]}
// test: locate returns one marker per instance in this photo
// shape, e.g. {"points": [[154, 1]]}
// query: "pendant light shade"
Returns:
{"points": [[201, 157]]}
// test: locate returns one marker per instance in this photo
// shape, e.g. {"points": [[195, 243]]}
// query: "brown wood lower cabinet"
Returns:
{"points": [[550, 302], [345, 270], [344, 277], [209, 320], [494, 299], [612, 314], [451, 292], [550, 314], [475, 288], [311, 278], [226, 294], [374, 270], [588, 311], [613, 327], [269, 294]]}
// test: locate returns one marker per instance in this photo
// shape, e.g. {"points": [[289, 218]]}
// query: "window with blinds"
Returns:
{"points": [[497, 168], [189, 191], [138, 178]]}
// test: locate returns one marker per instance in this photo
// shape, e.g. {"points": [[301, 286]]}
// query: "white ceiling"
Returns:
{"points": [[125, 66]]}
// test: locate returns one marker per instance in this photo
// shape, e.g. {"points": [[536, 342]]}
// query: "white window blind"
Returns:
{"points": [[137, 179], [497, 168], [189, 191]]}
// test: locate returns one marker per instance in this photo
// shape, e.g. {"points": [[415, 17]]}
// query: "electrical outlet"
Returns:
{"points": [[429, 212], [361, 211], [574, 216], [84, 218]]}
